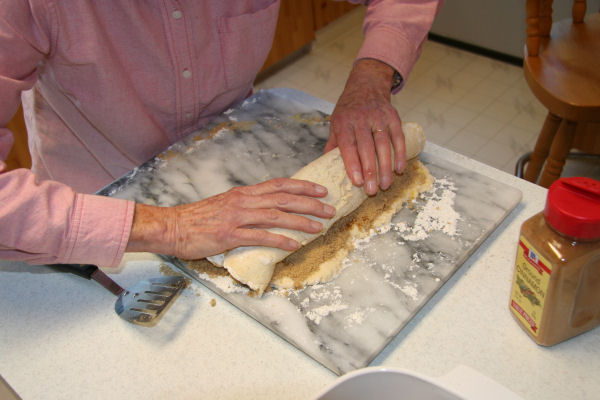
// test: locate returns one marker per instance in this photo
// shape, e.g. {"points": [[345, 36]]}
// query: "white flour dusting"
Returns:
{"points": [[437, 214], [357, 317], [250, 100], [362, 243], [221, 132], [225, 283], [323, 294], [318, 313], [410, 289]]}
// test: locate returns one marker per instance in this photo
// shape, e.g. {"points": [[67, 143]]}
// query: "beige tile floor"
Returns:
{"points": [[469, 103]]}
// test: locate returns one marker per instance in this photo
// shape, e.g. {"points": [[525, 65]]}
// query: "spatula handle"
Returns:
{"points": [[89, 271], [83, 270]]}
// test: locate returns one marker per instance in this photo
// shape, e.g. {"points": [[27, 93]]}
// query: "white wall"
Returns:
{"points": [[497, 25]]}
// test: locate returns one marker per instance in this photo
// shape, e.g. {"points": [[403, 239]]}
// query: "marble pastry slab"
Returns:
{"points": [[345, 323]]}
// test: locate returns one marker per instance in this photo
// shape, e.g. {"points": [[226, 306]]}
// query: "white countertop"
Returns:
{"points": [[60, 338]]}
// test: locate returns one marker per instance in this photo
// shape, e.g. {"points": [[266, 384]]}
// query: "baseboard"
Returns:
{"points": [[496, 55], [279, 65]]}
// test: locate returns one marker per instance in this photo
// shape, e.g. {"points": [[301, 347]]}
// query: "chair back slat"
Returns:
{"points": [[533, 27], [545, 18], [579, 9]]}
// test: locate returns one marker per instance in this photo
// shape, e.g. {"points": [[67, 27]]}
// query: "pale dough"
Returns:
{"points": [[254, 265]]}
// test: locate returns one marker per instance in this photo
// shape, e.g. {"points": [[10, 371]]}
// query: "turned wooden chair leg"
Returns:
{"points": [[561, 145], [542, 147]]}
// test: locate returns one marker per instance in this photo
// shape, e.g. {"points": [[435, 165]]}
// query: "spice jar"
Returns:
{"points": [[556, 286]]}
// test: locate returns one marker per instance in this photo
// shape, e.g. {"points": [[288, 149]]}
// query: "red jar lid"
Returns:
{"points": [[573, 207]]}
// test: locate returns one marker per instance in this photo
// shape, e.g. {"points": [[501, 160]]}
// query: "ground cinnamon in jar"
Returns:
{"points": [[556, 287]]}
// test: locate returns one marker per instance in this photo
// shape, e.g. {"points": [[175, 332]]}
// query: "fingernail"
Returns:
{"points": [[357, 177], [293, 245], [371, 187], [400, 166], [320, 189], [385, 183], [317, 226], [329, 210]]}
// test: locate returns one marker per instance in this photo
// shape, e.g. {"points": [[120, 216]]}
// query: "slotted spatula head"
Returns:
{"points": [[145, 302]]}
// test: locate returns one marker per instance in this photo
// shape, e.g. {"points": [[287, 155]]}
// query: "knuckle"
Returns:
{"points": [[273, 215], [278, 183], [229, 237], [339, 121], [235, 196], [347, 140], [381, 113], [222, 236], [370, 172], [282, 200]]}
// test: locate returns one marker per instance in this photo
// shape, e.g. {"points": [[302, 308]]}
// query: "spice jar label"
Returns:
{"points": [[532, 276]]}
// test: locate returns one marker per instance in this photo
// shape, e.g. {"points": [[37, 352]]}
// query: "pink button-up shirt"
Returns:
{"points": [[107, 84]]}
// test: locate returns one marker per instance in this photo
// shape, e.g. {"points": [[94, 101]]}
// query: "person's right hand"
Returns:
{"points": [[238, 217]]}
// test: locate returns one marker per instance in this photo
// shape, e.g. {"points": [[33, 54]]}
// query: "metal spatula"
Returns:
{"points": [[144, 303]]}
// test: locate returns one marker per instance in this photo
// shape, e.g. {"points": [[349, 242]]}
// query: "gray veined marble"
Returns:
{"points": [[263, 139], [346, 322]]}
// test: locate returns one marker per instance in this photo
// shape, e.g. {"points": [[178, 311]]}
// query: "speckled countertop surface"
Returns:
{"points": [[60, 338]]}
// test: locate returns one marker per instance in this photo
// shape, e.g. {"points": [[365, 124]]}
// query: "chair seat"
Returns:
{"points": [[563, 72], [565, 76]]}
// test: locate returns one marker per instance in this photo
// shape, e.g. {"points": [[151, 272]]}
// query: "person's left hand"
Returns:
{"points": [[367, 128]]}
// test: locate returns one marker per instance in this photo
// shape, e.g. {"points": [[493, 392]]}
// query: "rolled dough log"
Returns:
{"points": [[254, 265], [324, 258]]}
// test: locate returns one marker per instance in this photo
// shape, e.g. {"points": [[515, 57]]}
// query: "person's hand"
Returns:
{"points": [[238, 217], [367, 128]]}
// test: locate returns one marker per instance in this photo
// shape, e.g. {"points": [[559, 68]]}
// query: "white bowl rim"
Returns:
{"points": [[378, 369]]}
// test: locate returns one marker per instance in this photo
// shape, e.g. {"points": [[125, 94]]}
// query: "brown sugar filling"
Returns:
{"points": [[300, 265]]}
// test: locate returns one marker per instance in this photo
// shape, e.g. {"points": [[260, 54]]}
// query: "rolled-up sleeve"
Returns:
{"points": [[395, 31], [47, 222]]}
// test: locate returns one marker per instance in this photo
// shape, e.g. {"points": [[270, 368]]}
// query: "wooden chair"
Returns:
{"points": [[562, 67]]}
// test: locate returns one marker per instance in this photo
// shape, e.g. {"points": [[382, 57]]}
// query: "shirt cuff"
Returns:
{"points": [[99, 230], [391, 47]]}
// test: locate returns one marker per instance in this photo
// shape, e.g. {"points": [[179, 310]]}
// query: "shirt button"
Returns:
{"points": [[188, 115], [187, 73], [177, 14]]}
